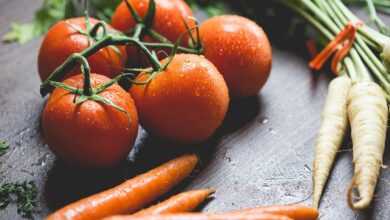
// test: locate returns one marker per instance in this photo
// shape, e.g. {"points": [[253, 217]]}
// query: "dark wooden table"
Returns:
{"points": [[262, 155]]}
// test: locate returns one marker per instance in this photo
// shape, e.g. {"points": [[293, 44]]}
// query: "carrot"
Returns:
{"points": [[131, 195], [368, 115], [296, 212], [202, 216], [183, 202], [330, 136]]}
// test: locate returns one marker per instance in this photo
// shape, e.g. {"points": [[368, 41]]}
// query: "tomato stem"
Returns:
{"points": [[155, 35], [138, 30], [170, 46], [113, 39], [133, 13], [94, 30], [70, 63], [109, 39], [85, 69], [150, 14]]}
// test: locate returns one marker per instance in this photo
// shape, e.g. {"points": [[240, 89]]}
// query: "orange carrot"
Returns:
{"points": [[183, 202], [131, 195], [296, 212], [202, 216]]}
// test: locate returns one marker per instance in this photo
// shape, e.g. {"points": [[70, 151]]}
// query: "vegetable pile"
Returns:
{"points": [[179, 80], [154, 65], [91, 121]]}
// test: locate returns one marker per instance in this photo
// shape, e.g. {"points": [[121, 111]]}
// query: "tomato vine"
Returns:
{"points": [[102, 38]]}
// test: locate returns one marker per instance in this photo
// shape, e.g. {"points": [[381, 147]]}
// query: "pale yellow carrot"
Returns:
{"points": [[368, 115], [330, 136]]}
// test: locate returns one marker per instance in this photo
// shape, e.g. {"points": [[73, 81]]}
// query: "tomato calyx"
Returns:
{"points": [[88, 93]]}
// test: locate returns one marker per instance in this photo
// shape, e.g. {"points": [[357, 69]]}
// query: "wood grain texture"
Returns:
{"points": [[262, 155]]}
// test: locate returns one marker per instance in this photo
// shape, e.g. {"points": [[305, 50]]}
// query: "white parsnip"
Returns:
{"points": [[333, 127], [368, 115]]}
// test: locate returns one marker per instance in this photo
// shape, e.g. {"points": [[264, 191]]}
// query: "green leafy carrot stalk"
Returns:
{"points": [[381, 5], [376, 19]]}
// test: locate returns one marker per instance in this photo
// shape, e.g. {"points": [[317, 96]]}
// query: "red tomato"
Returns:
{"points": [[64, 39], [90, 134], [168, 21], [185, 103], [240, 50]]}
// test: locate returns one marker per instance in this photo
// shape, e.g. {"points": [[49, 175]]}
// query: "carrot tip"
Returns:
{"points": [[362, 203]]}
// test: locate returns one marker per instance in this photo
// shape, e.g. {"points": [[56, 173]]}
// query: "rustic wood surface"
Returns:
{"points": [[262, 155]]}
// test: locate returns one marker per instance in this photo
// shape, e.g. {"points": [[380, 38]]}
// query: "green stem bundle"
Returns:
{"points": [[329, 17]]}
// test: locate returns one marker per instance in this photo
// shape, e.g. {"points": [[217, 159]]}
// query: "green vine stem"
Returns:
{"points": [[198, 49], [156, 36], [138, 30], [149, 18], [368, 32], [85, 69], [70, 63], [94, 30], [171, 46], [133, 13], [108, 39]]}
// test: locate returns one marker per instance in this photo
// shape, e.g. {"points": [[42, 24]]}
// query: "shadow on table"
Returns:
{"points": [[65, 184]]}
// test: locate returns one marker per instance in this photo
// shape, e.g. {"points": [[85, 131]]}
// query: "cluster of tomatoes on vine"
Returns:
{"points": [[181, 76]]}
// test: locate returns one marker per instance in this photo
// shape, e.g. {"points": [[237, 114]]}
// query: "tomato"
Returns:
{"points": [[90, 134], [240, 50], [168, 21], [64, 39], [185, 103]]}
